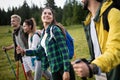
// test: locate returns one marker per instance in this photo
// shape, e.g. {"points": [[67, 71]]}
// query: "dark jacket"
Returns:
{"points": [[21, 37]]}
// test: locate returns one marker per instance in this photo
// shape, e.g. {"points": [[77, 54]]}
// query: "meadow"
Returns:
{"points": [[76, 31]]}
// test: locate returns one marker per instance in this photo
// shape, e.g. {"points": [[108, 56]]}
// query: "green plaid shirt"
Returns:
{"points": [[57, 52]]}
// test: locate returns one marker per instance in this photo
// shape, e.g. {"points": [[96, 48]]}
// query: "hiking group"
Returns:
{"points": [[53, 47]]}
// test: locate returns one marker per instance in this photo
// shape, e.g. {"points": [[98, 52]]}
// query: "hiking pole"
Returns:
{"points": [[20, 58], [23, 67], [10, 63], [17, 70]]}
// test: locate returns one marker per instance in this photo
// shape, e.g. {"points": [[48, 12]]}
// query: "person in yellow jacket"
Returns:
{"points": [[104, 46]]}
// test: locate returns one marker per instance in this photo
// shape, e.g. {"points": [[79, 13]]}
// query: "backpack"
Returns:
{"points": [[69, 42], [115, 4]]}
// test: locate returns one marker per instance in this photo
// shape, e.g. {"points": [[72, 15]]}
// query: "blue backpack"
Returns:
{"points": [[69, 42]]}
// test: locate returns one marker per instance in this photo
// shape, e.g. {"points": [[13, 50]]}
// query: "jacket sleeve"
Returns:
{"points": [[111, 55], [60, 39], [35, 52]]}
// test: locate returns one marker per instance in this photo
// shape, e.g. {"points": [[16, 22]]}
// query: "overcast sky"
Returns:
{"points": [[16, 3]]}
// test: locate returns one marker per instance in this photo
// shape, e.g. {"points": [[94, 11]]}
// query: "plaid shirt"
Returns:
{"points": [[57, 52]]}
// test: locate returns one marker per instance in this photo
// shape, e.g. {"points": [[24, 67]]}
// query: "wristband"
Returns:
{"points": [[90, 69], [95, 69]]}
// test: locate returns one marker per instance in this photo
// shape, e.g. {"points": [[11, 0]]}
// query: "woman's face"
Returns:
{"points": [[26, 28], [47, 16]]}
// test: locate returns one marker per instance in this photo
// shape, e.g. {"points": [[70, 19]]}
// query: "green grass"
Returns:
{"points": [[76, 31]]}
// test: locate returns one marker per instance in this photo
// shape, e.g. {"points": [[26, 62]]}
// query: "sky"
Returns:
{"points": [[16, 3]]}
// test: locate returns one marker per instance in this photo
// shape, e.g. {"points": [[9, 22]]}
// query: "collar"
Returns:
{"points": [[48, 29], [16, 31], [97, 16]]}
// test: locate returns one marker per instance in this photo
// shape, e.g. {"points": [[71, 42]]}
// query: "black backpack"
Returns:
{"points": [[115, 4]]}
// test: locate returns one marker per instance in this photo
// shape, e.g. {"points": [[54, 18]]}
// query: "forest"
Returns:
{"points": [[72, 12]]}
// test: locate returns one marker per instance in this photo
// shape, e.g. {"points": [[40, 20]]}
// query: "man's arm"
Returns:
{"points": [[8, 47]]}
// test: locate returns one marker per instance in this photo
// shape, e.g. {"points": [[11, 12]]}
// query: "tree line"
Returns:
{"points": [[72, 13]]}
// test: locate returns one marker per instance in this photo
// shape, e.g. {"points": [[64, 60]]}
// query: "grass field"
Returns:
{"points": [[81, 50]]}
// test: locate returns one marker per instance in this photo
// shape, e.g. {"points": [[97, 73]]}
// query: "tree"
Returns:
{"points": [[76, 19], [59, 14], [3, 17], [51, 3], [35, 13], [71, 13], [67, 13], [24, 11]]}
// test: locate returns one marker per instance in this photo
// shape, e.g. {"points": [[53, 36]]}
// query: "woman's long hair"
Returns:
{"points": [[54, 22], [31, 22]]}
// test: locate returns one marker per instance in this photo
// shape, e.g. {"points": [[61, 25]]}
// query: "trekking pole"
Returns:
{"points": [[17, 70], [10, 63], [23, 67]]}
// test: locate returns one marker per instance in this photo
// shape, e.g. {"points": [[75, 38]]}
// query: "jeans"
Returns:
{"points": [[39, 72]]}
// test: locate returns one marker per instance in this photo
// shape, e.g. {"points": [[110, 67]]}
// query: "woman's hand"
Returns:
{"points": [[20, 50], [66, 76]]}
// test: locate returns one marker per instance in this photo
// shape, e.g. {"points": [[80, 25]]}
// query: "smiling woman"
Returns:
{"points": [[52, 52], [16, 3]]}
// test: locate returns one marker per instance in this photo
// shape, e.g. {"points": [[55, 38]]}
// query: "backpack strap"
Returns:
{"points": [[51, 33], [32, 36], [105, 18], [37, 34], [116, 4]]}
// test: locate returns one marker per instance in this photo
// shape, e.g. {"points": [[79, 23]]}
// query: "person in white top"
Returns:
{"points": [[29, 27]]}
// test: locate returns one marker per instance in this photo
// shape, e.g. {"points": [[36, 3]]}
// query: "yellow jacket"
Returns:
{"points": [[109, 41]]}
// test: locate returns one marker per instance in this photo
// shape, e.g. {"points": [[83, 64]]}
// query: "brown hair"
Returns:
{"points": [[54, 22], [31, 22]]}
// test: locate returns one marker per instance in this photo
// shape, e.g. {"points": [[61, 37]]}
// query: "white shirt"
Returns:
{"points": [[43, 42], [35, 41], [94, 39], [96, 46]]}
